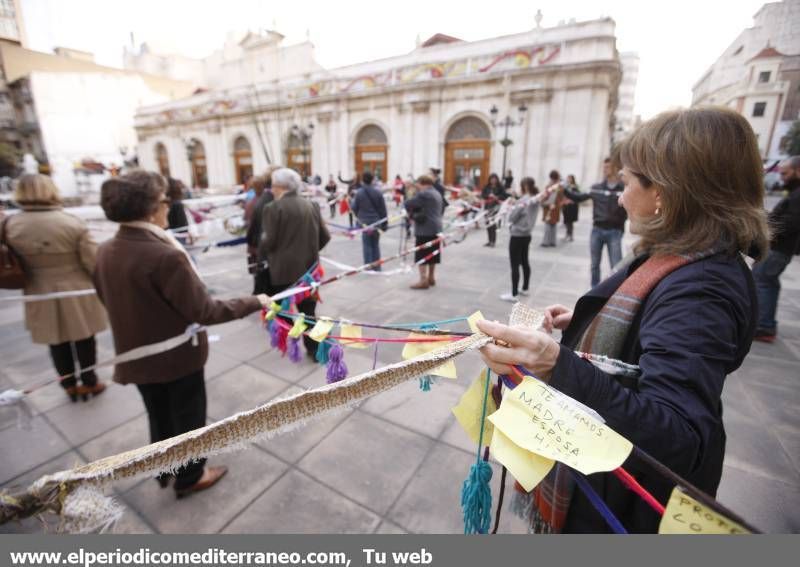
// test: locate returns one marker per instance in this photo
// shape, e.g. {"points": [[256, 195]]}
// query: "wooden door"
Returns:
{"points": [[467, 162], [373, 158], [243, 163], [300, 160]]}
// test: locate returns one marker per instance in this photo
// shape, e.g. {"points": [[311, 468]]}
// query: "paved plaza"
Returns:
{"points": [[396, 463]]}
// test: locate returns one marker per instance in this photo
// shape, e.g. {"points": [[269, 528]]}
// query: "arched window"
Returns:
{"points": [[198, 161], [372, 151], [162, 159], [467, 152], [242, 160]]}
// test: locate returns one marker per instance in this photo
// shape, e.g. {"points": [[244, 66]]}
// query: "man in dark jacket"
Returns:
{"points": [[785, 223], [293, 236], [608, 219], [437, 184], [369, 207], [254, 231]]}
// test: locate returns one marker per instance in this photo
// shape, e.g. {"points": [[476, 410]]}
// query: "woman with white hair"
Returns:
{"points": [[292, 237]]}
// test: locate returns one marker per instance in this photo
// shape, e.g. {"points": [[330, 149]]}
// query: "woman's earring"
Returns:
{"points": [[658, 211]]}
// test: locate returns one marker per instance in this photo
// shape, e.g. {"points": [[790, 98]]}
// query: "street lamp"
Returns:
{"points": [[190, 146], [507, 122], [304, 135]]}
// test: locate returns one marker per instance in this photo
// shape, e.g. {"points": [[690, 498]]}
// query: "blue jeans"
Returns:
{"points": [[612, 238], [768, 287], [370, 241]]}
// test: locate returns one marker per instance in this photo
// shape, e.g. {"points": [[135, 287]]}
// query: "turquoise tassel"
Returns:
{"points": [[322, 352], [476, 499], [425, 382]]}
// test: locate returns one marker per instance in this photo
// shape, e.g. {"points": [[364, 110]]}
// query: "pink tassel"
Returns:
{"points": [[337, 369], [283, 335], [294, 350]]}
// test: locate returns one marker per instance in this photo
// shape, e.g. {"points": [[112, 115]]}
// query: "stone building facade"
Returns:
{"points": [[402, 115]]}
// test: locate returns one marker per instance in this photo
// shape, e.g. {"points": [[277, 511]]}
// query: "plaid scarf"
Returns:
{"points": [[605, 335]]}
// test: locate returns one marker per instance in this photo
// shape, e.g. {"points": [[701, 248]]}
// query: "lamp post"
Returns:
{"points": [[304, 135], [190, 147], [507, 122]]}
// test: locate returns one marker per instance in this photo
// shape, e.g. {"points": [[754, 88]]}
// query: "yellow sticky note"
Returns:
{"points": [[415, 349], [352, 332], [685, 515], [474, 318], [529, 469], [470, 408], [321, 329], [544, 421]]}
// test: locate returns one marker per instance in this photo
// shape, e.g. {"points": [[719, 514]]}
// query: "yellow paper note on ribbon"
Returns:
{"points": [[352, 332], [470, 408], [685, 515], [544, 421], [529, 469], [474, 318], [321, 329], [415, 349]]}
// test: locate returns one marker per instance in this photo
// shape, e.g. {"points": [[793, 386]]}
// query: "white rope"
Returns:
{"points": [[46, 296]]}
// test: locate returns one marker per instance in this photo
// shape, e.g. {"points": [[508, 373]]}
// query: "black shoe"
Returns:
{"points": [[765, 336]]}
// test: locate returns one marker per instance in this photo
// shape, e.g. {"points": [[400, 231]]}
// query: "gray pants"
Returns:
{"points": [[549, 235]]}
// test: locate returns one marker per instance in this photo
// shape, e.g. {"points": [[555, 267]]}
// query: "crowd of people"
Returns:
{"points": [[684, 307]]}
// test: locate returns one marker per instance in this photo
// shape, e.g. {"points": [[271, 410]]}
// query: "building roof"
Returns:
{"points": [[439, 38], [767, 53]]}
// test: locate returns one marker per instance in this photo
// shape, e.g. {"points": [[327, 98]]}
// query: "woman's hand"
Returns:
{"points": [[534, 350], [556, 317], [265, 299]]}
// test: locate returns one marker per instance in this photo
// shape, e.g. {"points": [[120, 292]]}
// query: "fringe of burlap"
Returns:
{"points": [[52, 492]]}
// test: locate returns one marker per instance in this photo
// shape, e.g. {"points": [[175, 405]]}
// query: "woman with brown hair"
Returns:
{"points": [[152, 293], [552, 209], [58, 253], [683, 310]]}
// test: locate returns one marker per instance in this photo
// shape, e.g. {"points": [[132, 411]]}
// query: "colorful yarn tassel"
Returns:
{"points": [[273, 328], [323, 349], [283, 336], [337, 370], [425, 382], [294, 350], [476, 499]]}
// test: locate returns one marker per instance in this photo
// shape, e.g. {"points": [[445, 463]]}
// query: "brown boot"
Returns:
{"points": [[420, 285], [431, 279], [423, 279], [94, 390]]}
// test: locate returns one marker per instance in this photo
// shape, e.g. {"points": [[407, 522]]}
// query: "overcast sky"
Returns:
{"points": [[677, 40]]}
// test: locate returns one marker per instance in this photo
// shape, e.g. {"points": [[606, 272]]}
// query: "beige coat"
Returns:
{"points": [[59, 254]]}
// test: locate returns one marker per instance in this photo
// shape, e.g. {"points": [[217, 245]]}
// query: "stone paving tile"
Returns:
{"points": [[241, 388], [245, 344], [456, 437], [387, 527], [218, 364], [250, 472], [82, 421], [425, 412], [45, 523], [129, 435], [299, 504], [274, 363], [770, 506], [131, 523], [367, 459], [29, 448]]}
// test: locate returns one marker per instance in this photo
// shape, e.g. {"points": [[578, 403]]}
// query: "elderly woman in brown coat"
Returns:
{"points": [[59, 255], [152, 293]]}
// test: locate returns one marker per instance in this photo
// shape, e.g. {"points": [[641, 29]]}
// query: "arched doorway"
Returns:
{"points": [[197, 153], [467, 153], [298, 154], [242, 160], [162, 159], [372, 151]]}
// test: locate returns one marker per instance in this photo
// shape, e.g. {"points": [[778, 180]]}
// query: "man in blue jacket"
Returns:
{"points": [[785, 223], [369, 207]]}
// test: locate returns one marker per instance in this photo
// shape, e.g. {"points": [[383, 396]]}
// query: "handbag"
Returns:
{"points": [[12, 271]]}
